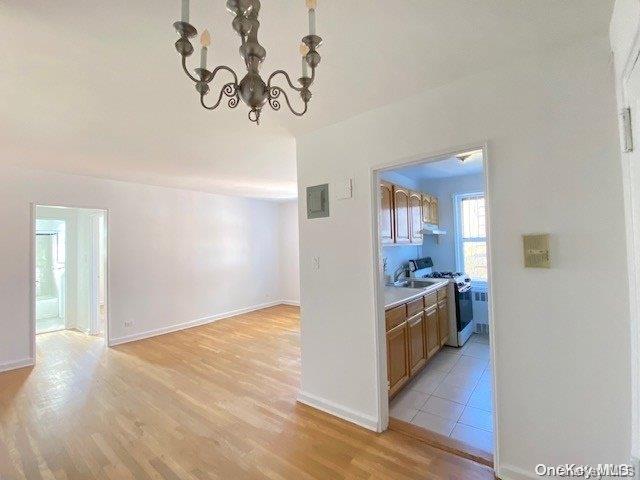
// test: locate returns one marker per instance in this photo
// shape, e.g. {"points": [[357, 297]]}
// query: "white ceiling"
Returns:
{"points": [[95, 88], [446, 167]]}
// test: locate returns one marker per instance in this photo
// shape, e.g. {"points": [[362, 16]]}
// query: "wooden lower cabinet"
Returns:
{"points": [[432, 331], [443, 321], [398, 357], [412, 341], [417, 347]]}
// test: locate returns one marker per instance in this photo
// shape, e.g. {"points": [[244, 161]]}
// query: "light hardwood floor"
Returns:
{"points": [[213, 402]]}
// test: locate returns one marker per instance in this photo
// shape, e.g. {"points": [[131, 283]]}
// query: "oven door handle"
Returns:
{"points": [[464, 289]]}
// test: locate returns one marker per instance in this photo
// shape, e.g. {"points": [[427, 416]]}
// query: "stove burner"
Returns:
{"points": [[444, 275]]}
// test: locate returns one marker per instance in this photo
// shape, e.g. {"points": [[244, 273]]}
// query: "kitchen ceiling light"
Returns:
{"points": [[464, 156], [252, 89]]}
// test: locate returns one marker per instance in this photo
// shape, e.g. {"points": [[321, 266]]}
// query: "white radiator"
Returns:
{"points": [[480, 311]]}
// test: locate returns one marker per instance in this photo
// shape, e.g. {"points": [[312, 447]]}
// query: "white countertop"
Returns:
{"points": [[394, 296]]}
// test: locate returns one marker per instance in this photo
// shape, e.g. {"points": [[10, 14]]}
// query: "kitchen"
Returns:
{"points": [[434, 250]]}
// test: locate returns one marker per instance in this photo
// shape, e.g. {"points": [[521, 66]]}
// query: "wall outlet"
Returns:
{"points": [[316, 263], [128, 323]]}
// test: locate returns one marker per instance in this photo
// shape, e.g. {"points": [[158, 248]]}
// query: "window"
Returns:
{"points": [[471, 236]]}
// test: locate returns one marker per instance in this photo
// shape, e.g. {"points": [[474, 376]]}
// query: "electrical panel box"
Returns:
{"points": [[536, 251], [318, 201]]}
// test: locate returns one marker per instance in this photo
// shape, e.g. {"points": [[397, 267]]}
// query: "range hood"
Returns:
{"points": [[429, 229]]}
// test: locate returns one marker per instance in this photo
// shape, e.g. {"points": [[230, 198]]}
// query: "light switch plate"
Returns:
{"points": [[536, 251], [346, 189], [318, 201]]}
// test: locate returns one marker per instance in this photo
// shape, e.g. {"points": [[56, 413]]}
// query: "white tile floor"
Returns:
{"points": [[452, 395]]}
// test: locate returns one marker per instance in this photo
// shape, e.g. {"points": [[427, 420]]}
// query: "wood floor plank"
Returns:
{"points": [[216, 402]]}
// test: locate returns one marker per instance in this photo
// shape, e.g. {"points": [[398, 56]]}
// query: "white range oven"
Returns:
{"points": [[460, 317]]}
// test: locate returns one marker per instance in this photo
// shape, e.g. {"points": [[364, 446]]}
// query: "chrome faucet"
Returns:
{"points": [[399, 271]]}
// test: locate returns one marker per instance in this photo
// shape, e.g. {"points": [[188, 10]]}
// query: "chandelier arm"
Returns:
{"points": [[186, 70], [275, 92], [213, 74], [229, 90], [251, 89], [286, 76]]}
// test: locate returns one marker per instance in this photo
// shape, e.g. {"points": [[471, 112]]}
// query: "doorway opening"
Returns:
{"points": [[434, 292], [69, 271]]}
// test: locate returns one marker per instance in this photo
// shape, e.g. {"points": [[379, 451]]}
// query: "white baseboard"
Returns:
{"points": [[366, 421], [509, 472], [193, 323], [25, 362], [293, 303]]}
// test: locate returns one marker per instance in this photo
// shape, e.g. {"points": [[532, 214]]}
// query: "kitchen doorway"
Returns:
{"points": [[434, 303], [69, 273]]}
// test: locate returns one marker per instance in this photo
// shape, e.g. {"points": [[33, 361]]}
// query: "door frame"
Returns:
{"points": [[378, 282], [632, 63], [32, 269]]}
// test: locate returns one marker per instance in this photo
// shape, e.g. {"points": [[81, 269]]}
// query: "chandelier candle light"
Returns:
{"points": [[252, 89]]}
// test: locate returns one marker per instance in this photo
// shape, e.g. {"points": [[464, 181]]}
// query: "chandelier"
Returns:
{"points": [[252, 89]]}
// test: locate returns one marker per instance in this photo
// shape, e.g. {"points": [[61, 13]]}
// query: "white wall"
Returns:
{"points": [[561, 341], [175, 256], [289, 252], [624, 37]]}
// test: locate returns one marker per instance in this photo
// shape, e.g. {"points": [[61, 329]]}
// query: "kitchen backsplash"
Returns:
{"points": [[400, 255]]}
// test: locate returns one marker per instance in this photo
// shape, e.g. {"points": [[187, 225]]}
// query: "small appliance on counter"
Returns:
{"points": [[460, 319]]}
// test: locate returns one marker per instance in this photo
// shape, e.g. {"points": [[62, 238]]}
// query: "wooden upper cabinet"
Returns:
{"points": [[397, 357], [417, 345], [430, 209], [426, 208], [386, 213], [402, 213], [434, 214], [402, 224], [415, 214], [443, 321]]}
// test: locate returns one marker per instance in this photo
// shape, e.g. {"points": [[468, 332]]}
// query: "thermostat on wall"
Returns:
{"points": [[536, 251]]}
